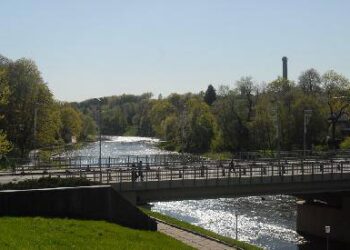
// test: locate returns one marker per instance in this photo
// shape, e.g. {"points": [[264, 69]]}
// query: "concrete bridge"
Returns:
{"points": [[322, 184], [214, 179], [323, 188]]}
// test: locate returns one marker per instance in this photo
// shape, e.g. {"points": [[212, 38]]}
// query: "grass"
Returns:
{"points": [[44, 233], [199, 230]]}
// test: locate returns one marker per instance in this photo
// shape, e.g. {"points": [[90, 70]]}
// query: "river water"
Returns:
{"points": [[268, 221]]}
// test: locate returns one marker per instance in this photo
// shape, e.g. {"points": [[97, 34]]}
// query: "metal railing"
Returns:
{"points": [[223, 172]]}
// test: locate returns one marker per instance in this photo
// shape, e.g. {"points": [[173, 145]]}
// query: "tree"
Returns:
{"points": [[160, 111], [231, 119], [24, 78], [262, 128], [89, 127], [337, 90], [71, 123], [200, 126], [210, 95], [246, 88], [32, 117], [310, 81], [5, 145]]}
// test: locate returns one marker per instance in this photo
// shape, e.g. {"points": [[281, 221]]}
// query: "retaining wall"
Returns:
{"points": [[92, 202]]}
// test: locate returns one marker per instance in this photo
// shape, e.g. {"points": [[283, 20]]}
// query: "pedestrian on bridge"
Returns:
{"points": [[232, 167], [133, 173], [222, 168], [140, 170]]}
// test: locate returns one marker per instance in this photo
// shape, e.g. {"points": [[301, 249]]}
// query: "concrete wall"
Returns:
{"points": [[94, 202], [143, 192], [312, 219]]}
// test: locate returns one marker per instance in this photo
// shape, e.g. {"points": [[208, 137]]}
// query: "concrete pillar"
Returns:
{"points": [[313, 217]]}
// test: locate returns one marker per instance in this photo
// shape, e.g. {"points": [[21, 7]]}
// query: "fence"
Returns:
{"points": [[222, 171]]}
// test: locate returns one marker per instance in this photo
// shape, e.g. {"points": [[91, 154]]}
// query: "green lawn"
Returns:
{"points": [[199, 230], [43, 233]]}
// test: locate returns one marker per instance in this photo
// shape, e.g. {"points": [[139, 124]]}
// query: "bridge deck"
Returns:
{"points": [[287, 175]]}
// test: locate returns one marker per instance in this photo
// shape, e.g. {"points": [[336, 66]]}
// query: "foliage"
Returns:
{"points": [[210, 95], [50, 233], [345, 144], [47, 182], [89, 127], [310, 81], [239, 118], [5, 145], [71, 122], [337, 92]]}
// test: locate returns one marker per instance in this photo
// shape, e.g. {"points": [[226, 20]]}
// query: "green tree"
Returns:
{"points": [[5, 145], [231, 115], [210, 95], [246, 87], [71, 123], [262, 128], [310, 81], [337, 92], [89, 127], [200, 128], [29, 120]]}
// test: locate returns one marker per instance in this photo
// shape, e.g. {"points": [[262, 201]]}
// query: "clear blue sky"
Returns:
{"points": [[96, 48]]}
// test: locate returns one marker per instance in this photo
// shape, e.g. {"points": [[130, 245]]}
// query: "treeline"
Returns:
{"points": [[248, 116], [30, 117]]}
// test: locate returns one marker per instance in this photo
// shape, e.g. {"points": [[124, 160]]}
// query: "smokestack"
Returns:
{"points": [[285, 67]]}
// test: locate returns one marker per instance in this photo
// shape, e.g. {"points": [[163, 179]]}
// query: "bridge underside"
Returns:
{"points": [[143, 192], [326, 197]]}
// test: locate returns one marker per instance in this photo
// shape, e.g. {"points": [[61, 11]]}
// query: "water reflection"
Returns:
{"points": [[114, 146], [267, 222]]}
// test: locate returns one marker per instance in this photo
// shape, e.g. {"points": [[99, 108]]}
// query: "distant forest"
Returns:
{"points": [[246, 116]]}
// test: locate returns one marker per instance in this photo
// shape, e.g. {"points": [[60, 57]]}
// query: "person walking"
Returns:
{"points": [[133, 173], [140, 170]]}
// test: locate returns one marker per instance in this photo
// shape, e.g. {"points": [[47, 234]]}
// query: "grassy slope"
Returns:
{"points": [[43, 233], [199, 230]]}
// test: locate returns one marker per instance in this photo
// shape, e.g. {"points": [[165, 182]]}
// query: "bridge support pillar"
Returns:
{"points": [[314, 215]]}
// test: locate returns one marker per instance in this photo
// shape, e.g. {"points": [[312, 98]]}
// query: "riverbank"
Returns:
{"points": [[198, 230]]}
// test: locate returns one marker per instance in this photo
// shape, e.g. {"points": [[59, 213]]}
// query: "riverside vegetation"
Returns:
{"points": [[230, 119]]}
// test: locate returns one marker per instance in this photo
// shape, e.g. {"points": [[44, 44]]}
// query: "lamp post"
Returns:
{"points": [[277, 127], [327, 230], [307, 116], [236, 215], [100, 137]]}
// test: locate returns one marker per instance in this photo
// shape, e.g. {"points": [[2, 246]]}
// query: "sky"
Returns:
{"points": [[87, 49]]}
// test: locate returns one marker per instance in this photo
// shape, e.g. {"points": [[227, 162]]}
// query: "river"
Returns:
{"points": [[268, 221]]}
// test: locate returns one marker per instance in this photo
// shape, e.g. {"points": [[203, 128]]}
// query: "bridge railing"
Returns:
{"points": [[222, 171], [293, 154], [240, 173], [87, 161]]}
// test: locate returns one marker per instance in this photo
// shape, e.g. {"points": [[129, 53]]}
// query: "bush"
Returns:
{"points": [[47, 182], [345, 144]]}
